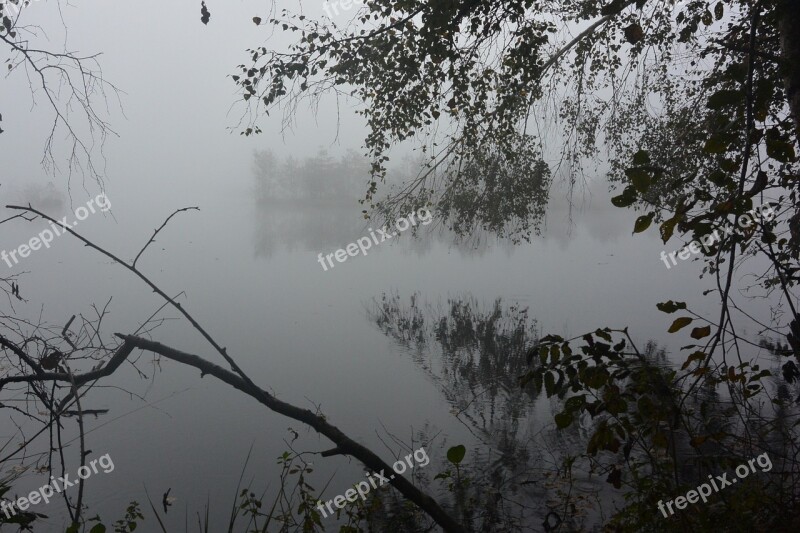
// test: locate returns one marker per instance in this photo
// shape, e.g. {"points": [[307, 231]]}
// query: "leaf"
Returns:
{"points": [[51, 361], [670, 306], [625, 199], [719, 10], [98, 528], [639, 178], [456, 454], [642, 157], [699, 333], [779, 150], [642, 223], [205, 14], [257, 20], [595, 377], [615, 478], [575, 403], [549, 384], [531, 353], [555, 353], [563, 420], [715, 145], [696, 356], [719, 178], [679, 324], [603, 334], [660, 439], [633, 33], [527, 378], [698, 440], [724, 98], [622, 201], [667, 228], [613, 445]]}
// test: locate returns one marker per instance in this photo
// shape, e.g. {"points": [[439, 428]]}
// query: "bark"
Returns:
{"points": [[344, 444], [790, 48], [236, 378]]}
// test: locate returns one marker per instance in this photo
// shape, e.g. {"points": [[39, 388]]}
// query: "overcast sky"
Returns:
{"points": [[174, 136]]}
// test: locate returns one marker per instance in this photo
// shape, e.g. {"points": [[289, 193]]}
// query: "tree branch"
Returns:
{"points": [[153, 238]]}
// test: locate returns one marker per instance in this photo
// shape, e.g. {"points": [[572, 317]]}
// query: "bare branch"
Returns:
{"points": [[153, 238]]}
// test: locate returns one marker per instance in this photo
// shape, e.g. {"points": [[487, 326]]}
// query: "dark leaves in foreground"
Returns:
{"points": [[790, 372]]}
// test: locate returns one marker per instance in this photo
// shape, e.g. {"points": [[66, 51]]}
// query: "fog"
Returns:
{"points": [[245, 264]]}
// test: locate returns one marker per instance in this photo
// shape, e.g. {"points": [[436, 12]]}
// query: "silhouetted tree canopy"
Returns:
{"points": [[666, 92]]}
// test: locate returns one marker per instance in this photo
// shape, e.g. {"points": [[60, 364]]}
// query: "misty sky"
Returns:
{"points": [[174, 71]]}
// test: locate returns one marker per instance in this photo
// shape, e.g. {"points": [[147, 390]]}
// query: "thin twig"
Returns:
{"points": [[153, 238]]}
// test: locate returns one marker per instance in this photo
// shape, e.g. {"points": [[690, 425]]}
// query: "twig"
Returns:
{"points": [[153, 238], [239, 380], [222, 351]]}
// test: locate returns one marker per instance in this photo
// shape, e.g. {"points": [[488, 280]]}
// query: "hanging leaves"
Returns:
{"points": [[205, 14], [670, 306], [634, 33], [679, 324], [699, 333], [456, 454], [643, 222]]}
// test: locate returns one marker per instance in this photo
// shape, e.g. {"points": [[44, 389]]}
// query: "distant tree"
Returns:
{"points": [[694, 109], [321, 177], [679, 85]]}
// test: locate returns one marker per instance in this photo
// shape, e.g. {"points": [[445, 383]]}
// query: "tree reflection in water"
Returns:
{"points": [[474, 355], [523, 472]]}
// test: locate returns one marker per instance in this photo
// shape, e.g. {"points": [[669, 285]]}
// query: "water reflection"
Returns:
{"points": [[304, 226], [45, 197], [474, 354], [313, 205], [526, 473]]}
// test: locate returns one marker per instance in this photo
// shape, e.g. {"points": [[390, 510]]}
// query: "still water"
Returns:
{"points": [[248, 271]]}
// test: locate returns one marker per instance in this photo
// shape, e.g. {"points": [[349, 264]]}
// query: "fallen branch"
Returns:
{"points": [[239, 380], [344, 444]]}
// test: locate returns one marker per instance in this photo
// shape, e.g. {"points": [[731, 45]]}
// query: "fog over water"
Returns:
{"points": [[246, 267]]}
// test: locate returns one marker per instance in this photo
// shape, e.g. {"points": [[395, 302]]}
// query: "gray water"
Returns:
{"points": [[248, 272], [250, 275]]}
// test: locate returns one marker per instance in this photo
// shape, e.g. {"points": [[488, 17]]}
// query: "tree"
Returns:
{"points": [[53, 371], [69, 83], [697, 106], [490, 74]]}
